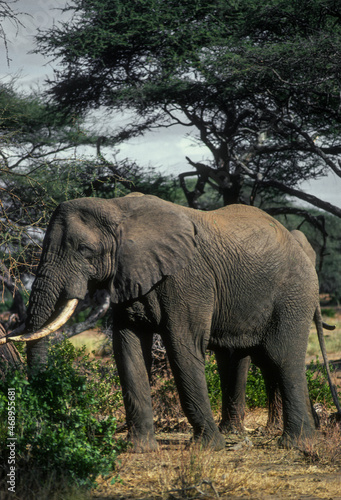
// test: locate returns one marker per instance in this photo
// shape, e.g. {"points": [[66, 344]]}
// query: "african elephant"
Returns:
{"points": [[234, 387], [232, 278]]}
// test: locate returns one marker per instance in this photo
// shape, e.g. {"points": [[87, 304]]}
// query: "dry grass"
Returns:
{"points": [[30, 485], [93, 340], [332, 339], [248, 468]]}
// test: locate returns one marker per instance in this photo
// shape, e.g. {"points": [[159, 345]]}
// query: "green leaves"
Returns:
{"points": [[65, 419], [255, 388], [319, 390], [258, 81]]}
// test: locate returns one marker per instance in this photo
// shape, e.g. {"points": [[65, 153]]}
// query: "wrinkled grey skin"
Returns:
{"points": [[234, 387], [233, 278]]}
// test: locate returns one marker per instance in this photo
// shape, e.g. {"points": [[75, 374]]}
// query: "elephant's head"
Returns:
{"points": [[126, 245]]}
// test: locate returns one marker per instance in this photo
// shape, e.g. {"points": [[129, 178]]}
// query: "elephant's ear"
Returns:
{"points": [[156, 239]]}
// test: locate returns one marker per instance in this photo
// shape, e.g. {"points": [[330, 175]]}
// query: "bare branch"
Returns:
{"points": [[324, 205], [312, 143], [18, 306], [255, 175]]}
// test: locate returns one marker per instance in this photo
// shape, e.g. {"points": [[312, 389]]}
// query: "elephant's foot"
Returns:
{"points": [[143, 444], [231, 427], [214, 441], [274, 426], [301, 442]]}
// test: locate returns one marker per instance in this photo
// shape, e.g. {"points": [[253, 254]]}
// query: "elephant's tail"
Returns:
{"points": [[328, 327], [319, 327]]}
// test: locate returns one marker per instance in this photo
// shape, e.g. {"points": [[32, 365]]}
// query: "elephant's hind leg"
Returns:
{"points": [[233, 370], [289, 374], [298, 420]]}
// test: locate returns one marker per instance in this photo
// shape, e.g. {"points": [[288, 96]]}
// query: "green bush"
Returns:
{"points": [[255, 389], [64, 422], [213, 382], [330, 312], [319, 390]]}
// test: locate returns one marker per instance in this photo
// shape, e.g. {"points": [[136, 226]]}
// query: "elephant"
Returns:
{"points": [[234, 387], [227, 279], [304, 243]]}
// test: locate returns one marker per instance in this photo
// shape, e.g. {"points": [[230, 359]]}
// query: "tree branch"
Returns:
{"points": [[318, 151], [18, 306], [313, 200]]}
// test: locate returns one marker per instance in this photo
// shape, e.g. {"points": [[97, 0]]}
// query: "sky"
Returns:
{"points": [[166, 149]]}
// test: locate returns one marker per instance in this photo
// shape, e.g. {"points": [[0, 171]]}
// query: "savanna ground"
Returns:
{"points": [[251, 466]]}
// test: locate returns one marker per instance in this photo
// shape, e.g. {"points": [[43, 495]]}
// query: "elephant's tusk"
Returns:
{"points": [[61, 319]]}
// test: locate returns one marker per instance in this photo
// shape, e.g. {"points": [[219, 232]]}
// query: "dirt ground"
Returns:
{"points": [[251, 466]]}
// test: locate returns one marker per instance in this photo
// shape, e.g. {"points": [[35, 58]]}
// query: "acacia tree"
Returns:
{"points": [[40, 167], [259, 82]]}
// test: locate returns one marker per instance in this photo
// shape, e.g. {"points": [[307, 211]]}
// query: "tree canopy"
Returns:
{"points": [[259, 82]]}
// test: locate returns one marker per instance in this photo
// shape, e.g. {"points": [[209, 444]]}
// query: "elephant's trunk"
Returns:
{"points": [[46, 293]]}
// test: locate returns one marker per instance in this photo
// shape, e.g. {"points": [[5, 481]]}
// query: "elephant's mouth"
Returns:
{"points": [[51, 327]]}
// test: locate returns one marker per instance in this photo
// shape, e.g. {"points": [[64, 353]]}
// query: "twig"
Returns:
{"points": [[196, 487]]}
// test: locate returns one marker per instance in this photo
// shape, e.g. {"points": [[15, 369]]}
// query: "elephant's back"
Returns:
{"points": [[255, 250], [260, 269], [245, 227], [242, 217]]}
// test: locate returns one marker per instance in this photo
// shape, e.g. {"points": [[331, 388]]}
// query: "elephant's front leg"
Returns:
{"points": [[188, 367], [133, 358]]}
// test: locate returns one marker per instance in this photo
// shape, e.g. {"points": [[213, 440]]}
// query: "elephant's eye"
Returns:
{"points": [[85, 250]]}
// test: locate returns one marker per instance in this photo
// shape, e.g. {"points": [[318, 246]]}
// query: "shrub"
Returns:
{"points": [[213, 382], [255, 389], [319, 390], [64, 422], [329, 312]]}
